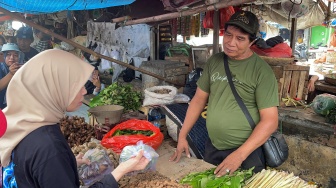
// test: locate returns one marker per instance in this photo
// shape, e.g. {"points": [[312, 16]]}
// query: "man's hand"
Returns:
{"points": [[311, 84], [230, 164], [13, 68], [182, 146]]}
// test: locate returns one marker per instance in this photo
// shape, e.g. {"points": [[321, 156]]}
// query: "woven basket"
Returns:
{"points": [[274, 61]]}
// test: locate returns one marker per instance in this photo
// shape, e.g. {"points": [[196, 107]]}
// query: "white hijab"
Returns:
{"points": [[39, 93]]}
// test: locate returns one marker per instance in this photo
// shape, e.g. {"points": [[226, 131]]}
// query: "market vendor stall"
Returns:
{"points": [[309, 139]]}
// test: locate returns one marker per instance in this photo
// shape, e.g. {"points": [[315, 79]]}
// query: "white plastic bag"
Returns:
{"points": [[181, 98], [106, 64], [117, 69], [97, 50], [159, 95], [133, 150]]}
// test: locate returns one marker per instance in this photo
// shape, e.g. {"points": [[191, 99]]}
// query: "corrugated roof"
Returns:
{"points": [[51, 6]]}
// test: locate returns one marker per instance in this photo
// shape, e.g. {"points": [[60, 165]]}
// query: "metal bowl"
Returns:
{"points": [[112, 113]]}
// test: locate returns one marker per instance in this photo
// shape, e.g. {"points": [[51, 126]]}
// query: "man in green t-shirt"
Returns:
{"points": [[232, 143]]}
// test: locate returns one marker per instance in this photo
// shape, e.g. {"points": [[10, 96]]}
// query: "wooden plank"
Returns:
{"points": [[287, 79], [302, 85], [278, 71], [183, 70], [281, 81], [185, 59], [294, 84], [296, 67], [177, 170], [322, 86]]}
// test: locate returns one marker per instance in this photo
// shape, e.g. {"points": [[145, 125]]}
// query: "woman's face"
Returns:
{"points": [[12, 57], [77, 102]]}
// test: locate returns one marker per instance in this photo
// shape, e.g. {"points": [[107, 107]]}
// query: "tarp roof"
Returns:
{"points": [[51, 6]]}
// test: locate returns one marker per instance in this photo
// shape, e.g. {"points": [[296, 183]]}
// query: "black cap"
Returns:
{"points": [[245, 20], [25, 33]]}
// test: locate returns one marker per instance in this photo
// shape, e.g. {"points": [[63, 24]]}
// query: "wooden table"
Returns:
{"points": [[323, 87]]}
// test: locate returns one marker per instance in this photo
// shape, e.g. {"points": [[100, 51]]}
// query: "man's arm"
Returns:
{"points": [[267, 125], [195, 108]]}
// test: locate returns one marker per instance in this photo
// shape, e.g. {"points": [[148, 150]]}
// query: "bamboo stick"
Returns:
{"points": [[216, 6], [121, 19], [74, 44]]}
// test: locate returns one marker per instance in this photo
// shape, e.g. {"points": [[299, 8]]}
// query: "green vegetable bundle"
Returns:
{"points": [[323, 104], [208, 179], [118, 94]]}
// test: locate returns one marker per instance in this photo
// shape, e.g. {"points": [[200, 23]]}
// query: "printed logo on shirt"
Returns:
{"points": [[217, 77]]}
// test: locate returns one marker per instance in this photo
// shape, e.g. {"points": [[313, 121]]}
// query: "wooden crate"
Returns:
{"points": [[292, 82], [185, 59]]}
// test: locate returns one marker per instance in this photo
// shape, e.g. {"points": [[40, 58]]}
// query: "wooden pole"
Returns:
{"points": [[216, 27], [168, 16], [45, 30], [293, 35], [121, 19]]}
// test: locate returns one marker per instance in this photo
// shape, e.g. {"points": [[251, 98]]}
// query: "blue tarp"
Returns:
{"points": [[51, 6]]}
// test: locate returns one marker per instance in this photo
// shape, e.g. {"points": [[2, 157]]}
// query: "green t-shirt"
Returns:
{"points": [[255, 83]]}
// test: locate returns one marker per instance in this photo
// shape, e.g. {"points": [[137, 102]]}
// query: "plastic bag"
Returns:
{"points": [[323, 103], [181, 98], [97, 50], [117, 143], [117, 69], [132, 151], [158, 95], [106, 64], [100, 165], [281, 50]]}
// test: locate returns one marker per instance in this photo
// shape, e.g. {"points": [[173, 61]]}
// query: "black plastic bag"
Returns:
{"points": [[129, 74]]}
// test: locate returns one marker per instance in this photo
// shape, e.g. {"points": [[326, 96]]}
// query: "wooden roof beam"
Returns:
{"points": [[216, 6]]}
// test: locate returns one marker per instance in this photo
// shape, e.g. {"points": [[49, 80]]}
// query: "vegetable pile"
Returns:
{"points": [[118, 94], [277, 179], [76, 131], [323, 104], [132, 132], [93, 144], [208, 179]]}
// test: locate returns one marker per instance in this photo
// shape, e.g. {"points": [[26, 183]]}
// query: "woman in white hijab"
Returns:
{"points": [[33, 146]]}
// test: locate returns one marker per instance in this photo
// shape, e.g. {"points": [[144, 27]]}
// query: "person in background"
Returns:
{"points": [[33, 120], [13, 58], [93, 85], [232, 143], [10, 39], [2, 40], [24, 38], [45, 41]]}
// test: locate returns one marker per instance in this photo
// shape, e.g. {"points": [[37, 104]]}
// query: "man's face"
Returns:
{"points": [[12, 57], [24, 44], [236, 44]]}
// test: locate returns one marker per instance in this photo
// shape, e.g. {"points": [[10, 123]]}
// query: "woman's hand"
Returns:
{"points": [[80, 161], [138, 162]]}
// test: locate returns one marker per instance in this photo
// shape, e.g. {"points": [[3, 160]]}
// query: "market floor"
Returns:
{"points": [[81, 112]]}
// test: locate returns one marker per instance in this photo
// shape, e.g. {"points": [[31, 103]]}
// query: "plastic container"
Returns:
{"points": [[154, 114]]}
